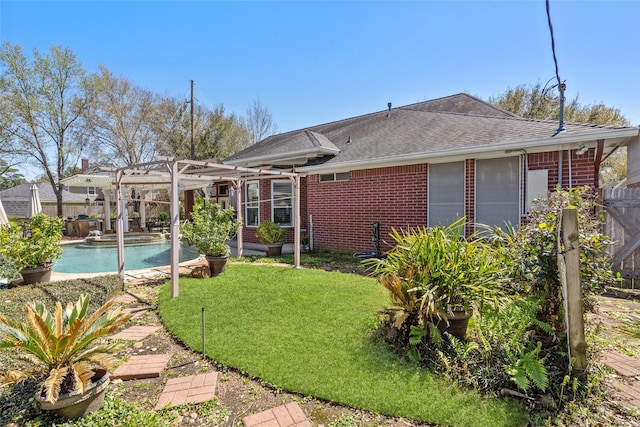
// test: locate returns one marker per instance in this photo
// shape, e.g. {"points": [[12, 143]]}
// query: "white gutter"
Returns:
{"points": [[465, 152]]}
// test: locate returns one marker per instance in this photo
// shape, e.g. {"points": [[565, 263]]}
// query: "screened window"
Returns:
{"points": [[498, 191], [91, 191], [446, 193], [330, 177], [282, 204], [252, 210]]}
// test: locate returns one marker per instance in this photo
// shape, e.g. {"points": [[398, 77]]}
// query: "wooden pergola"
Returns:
{"points": [[174, 173]]}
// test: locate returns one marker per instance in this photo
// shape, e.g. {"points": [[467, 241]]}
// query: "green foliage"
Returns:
{"points": [[9, 176], [529, 368], [432, 271], [40, 245], [531, 102], [210, 228], [270, 232], [163, 216], [64, 342]]}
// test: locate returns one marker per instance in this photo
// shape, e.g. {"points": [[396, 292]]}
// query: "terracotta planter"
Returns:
{"points": [[41, 273], [274, 249], [458, 323], [217, 264], [76, 405]]}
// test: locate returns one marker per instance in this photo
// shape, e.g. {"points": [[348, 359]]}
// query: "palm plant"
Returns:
{"points": [[64, 343]]}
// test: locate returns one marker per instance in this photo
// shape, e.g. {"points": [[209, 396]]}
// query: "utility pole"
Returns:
{"points": [[188, 194]]}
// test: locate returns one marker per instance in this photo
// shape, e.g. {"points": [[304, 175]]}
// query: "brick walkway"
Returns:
{"points": [[135, 333], [144, 366], [281, 416], [628, 391], [191, 389]]}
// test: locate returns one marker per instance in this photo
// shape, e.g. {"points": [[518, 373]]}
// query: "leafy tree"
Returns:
{"points": [[122, 127], [9, 176], [46, 98], [216, 134], [259, 121], [533, 102]]}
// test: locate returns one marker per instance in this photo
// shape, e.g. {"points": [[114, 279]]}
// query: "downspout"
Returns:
{"points": [[570, 174], [560, 168]]}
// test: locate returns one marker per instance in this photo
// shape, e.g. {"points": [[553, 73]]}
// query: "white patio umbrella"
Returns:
{"points": [[34, 202], [3, 215]]}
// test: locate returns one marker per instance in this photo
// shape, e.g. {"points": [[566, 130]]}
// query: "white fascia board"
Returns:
{"points": [[282, 157], [558, 142]]}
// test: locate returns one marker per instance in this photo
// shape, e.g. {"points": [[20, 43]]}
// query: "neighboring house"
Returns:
{"points": [[16, 201], [420, 164]]}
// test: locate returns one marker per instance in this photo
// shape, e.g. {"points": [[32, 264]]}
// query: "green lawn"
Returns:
{"points": [[310, 331]]}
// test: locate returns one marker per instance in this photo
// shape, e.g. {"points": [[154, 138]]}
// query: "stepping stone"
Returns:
{"points": [[138, 367], [281, 416], [624, 365], [191, 389], [128, 298], [135, 333], [135, 312], [630, 393]]}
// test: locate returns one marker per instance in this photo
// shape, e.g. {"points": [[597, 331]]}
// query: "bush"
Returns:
{"points": [[38, 245], [269, 232]]}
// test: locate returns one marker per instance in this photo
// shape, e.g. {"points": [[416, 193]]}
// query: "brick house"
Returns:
{"points": [[420, 164]]}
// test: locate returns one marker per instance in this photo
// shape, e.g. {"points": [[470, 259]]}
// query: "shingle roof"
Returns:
{"points": [[16, 199], [457, 122]]}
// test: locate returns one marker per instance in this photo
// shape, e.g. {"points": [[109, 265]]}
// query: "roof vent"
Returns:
{"points": [[389, 112]]}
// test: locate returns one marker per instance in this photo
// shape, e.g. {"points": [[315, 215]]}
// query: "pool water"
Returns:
{"points": [[83, 258]]}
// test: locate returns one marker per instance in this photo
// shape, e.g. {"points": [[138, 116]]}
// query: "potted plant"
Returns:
{"points": [[271, 234], [65, 346], [436, 275], [34, 249], [208, 231]]}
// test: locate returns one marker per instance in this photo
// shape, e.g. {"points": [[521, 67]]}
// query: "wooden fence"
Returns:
{"points": [[622, 224]]}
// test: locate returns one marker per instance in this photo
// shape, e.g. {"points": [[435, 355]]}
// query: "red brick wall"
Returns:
{"points": [[344, 211], [582, 169]]}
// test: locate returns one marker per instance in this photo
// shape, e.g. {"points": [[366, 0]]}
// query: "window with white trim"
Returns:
{"points": [[498, 191], [446, 193], [91, 191], [252, 205], [282, 202]]}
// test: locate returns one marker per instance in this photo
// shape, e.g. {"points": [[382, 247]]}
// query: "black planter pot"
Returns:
{"points": [[457, 323], [217, 264], [274, 249], [76, 405], [39, 274]]}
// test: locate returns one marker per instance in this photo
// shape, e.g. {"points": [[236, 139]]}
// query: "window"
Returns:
{"points": [[446, 193], [498, 191], [330, 177], [252, 211], [282, 202], [91, 191], [223, 190]]}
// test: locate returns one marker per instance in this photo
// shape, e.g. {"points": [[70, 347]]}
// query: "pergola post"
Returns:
{"points": [[119, 224], [143, 209], [239, 237], [296, 223], [175, 228], [107, 209]]}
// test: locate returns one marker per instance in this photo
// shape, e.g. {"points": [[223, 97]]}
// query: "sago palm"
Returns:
{"points": [[64, 343]]}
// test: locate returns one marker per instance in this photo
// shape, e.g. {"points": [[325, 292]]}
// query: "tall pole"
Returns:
{"points": [[193, 147], [188, 194]]}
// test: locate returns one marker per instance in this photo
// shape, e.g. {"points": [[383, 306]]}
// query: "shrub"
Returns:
{"points": [[269, 232], [210, 228], [38, 245]]}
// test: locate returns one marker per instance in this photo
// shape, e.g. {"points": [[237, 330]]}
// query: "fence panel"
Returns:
{"points": [[622, 224]]}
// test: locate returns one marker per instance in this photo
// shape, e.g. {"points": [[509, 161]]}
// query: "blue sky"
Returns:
{"points": [[315, 62]]}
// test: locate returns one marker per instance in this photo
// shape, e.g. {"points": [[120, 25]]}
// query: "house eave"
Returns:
{"points": [[290, 156], [558, 142]]}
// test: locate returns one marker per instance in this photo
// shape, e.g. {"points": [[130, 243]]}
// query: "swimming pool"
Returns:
{"points": [[88, 258]]}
